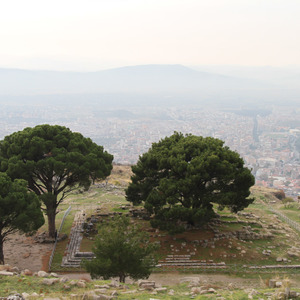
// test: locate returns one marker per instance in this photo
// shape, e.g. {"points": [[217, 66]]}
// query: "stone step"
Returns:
{"points": [[189, 264], [193, 266], [181, 260], [178, 255]]}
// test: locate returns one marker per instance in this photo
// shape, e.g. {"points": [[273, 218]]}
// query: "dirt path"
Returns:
{"points": [[24, 253]]}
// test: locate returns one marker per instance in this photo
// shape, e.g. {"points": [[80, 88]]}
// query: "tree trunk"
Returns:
{"points": [[1, 251], [122, 278], [51, 214]]}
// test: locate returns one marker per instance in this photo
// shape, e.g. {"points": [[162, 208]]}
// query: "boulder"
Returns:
{"points": [[5, 273], [146, 284], [73, 282], [66, 287], [196, 290], [292, 254], [104, 297], [100, 291], [294, 294], [64, 279], [25, 295], [27, 272], [90, 295], [34, 295], [280, 296], [50, 281], [15, 270], [42, 274], [161, 289], [81, 284], [272, 283], [15, 297], [114, 293]]}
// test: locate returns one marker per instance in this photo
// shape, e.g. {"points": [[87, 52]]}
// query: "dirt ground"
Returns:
{"points": [[23, 252]]}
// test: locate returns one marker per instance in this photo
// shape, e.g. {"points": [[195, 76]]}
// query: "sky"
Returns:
{"points": [[90, 35]]}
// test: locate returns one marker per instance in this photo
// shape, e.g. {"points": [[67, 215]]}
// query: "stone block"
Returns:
{"points": [[272, 283]]}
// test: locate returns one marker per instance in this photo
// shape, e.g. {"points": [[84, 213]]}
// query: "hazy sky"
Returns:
{"points": [[99, 34]]}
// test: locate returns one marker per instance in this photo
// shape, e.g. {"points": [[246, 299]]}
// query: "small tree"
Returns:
{"points": [[122, 249], [181, 177], [54, 161], [288, 202], [20, 210]]}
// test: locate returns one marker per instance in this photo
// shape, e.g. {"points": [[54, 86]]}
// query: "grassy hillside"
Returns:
{"points": [[255, 237], [250, 237]]}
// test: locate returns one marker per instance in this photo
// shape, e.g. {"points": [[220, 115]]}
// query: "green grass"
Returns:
{"points": [[21, 284], [292, 212], [61, 246]]}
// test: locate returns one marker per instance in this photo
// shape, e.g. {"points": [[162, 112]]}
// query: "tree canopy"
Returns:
{"points": [[54, 161], [19, 209], [122, 249], [181, 176]]}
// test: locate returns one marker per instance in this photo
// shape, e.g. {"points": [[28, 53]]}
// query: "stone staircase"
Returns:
{"points": [[185, 261], [73, 256]]}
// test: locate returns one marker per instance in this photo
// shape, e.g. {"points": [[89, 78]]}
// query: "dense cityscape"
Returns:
{"points": [[266, 139]]}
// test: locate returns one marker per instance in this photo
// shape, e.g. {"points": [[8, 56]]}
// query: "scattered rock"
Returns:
{"points": [[100, 291], [272, 283], [292, 254], [196, 290], [15, 297], [25, 295], [34, 295], [66, 287], [73, 282], [171, 292], [146, 284], [161, 289], [50, 281], [90, 295], [114, 293], [64, 279], [81, 284], [42, 274], [27, 272], [15, 270], [193, 281], [5, 273]]}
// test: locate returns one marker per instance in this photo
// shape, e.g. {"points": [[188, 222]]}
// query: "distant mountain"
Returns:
{"points": [[285, 77], [169, 80], [150, 84]]}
